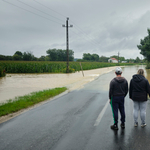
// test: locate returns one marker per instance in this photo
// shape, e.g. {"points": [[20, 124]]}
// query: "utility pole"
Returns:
{"points": [[67, 43], [118, 58]]}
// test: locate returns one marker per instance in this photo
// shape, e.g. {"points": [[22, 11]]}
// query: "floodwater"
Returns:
{"points": [[21, 84]]}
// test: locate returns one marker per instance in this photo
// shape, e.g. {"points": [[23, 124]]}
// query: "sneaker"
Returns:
{"points": [[136, 124], [122, 125], [143, 125], [114, 127]]}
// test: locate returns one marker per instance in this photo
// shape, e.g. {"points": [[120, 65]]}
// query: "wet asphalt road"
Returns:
{"points": [[79, 120]]}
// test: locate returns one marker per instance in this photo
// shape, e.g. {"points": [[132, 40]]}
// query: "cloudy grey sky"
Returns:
{"points": [[104, 27]]}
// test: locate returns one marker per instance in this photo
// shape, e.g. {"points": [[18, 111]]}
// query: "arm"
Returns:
{"points": [[130, 89], [110, 90], [126, 88], [148, 88]]}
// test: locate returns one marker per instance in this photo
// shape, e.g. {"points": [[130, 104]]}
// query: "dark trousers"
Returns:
{"points": [[117, 103]]}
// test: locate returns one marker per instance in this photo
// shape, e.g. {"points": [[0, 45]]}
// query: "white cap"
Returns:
{"points": [[118, 70]]}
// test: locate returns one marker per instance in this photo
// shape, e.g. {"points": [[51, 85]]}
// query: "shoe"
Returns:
{"points": [[122, 125], [114, 127], [143, 125], [136, 124]]}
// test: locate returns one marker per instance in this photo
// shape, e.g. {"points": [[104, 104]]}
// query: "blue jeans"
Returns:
{"points": [[139, 106]]}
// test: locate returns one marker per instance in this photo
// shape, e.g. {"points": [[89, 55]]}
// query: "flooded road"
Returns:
{"points": [[21, 84]]}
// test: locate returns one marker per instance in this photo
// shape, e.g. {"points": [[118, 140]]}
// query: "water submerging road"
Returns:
{"points": [[20, 84]]}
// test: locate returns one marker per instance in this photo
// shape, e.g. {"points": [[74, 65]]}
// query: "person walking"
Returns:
{"points": [[118, 89], [138, 91]]}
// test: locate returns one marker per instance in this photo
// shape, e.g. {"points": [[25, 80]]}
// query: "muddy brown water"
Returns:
{"points": [[21, 84]]}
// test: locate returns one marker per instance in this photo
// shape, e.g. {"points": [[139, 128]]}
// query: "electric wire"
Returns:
{"points": [[86, 38], [78, 35], [30, 12], [49, 8], [89, 37], [78, 28], [38, 10]]}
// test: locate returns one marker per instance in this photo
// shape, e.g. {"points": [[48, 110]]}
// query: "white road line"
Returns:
{"points": [[101, 114]]}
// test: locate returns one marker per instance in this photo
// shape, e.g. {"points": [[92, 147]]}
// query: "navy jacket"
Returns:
{"points": [[139, 88], [118, 87]]}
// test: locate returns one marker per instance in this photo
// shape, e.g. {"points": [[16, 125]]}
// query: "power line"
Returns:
{"points": [[78, 28], [30, 11], [38, 10], [86, 39], [91, 38], [49, 8]]}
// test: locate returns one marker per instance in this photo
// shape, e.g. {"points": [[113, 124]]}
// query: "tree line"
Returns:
{"points": [[52, 55], [96, 57], [61, 55]]}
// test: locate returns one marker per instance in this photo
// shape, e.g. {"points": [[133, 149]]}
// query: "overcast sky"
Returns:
{"points": [[103, 27]]}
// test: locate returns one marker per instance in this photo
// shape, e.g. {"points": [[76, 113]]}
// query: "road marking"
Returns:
{"points": [[101, 114]]}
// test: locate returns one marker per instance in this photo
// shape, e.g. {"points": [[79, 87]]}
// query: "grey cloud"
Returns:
{"points": [[105, 26]]}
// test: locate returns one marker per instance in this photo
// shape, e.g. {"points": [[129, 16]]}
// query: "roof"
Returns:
{"points": [[113, 59]]}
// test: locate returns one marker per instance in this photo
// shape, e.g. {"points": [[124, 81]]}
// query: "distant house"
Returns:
{"points": [[124, 61], [113, 60]]}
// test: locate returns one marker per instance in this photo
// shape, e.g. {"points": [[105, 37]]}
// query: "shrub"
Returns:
{"points": [[2, 72]]}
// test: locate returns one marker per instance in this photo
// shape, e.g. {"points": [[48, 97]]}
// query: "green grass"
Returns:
{"points": [[26, 101]]}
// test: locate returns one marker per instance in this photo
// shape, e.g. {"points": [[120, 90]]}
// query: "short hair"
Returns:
{"points": [[140, 72]]}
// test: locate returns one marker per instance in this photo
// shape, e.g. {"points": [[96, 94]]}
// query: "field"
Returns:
{"points": [[49, 67]]}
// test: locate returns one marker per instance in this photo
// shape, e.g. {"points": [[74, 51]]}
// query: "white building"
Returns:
{"points": [[113, 60], [124, 61]]}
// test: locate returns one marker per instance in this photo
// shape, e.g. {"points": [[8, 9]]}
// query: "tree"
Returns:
{"points": [[59, 55], [42, 58], [2, 57], [47, 58], [145, 46], [103, 59], [52, 54], [18, 53], [87, 56], [137, 60], [28, 56], [130, 60], [95, 57], [17, 57], [71, 55]]}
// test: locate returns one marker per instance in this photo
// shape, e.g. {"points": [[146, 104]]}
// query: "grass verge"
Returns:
{"points": [[26, 101]]}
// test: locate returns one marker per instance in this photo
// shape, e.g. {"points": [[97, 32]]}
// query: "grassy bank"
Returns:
{"points": [[51, 67], [28, 100]]}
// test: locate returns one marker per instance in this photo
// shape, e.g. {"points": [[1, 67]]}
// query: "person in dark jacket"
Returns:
{"points": [[138, 92], [118, 89]]}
